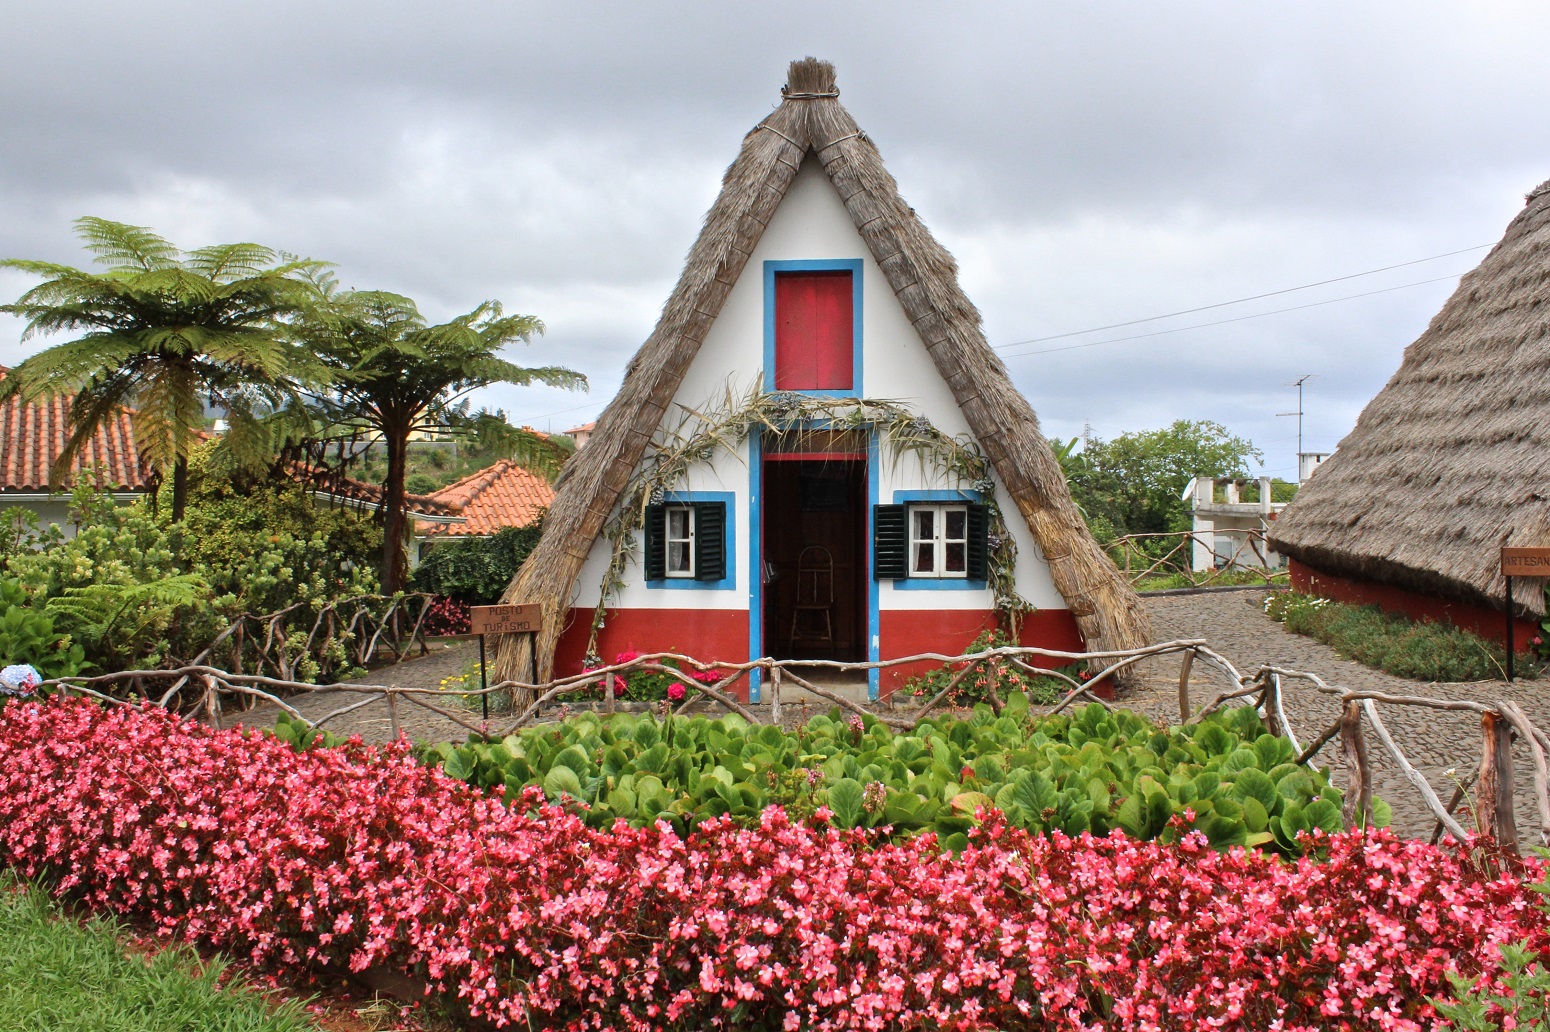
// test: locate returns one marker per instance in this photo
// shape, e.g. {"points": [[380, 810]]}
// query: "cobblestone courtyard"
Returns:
{"points": [[1234, 625]]}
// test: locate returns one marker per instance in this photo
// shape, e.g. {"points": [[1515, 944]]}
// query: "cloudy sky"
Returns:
{"points": [[1088, 164]]}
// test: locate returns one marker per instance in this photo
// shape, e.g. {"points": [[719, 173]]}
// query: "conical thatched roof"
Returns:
{"points": [[1451, 460], [924, 277]]}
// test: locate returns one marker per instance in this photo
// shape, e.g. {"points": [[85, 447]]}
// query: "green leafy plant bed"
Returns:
{"points": [[1393, 644], [1091, 771]]}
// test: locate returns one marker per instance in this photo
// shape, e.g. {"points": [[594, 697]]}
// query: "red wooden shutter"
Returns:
{"points": [[814, 331]]}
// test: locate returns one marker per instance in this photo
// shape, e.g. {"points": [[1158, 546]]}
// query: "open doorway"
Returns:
{"points": [[815, 558]]}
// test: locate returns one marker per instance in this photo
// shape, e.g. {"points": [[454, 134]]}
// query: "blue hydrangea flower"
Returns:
{"points": [[19, 679]]}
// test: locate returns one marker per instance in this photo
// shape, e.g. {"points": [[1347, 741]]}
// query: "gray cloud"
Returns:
{"points": [[1088, 164]]}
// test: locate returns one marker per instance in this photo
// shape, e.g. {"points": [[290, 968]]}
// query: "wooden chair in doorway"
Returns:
{"points": [[812, 618]]}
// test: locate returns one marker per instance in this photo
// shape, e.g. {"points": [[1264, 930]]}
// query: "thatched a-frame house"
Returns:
{"points": [[1450, 461], [743, 461]]}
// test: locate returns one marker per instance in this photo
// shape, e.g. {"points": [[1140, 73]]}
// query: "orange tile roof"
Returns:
{"points": [[499, 496], [348, 489], [33, 434]]}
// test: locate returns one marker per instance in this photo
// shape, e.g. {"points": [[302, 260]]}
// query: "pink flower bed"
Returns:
{"points": [[356, 858]]}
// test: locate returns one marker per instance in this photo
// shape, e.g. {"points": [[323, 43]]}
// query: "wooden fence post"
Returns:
{"points": [[1184, 669], [1358, 796], [1494, 798], [775, 694]]}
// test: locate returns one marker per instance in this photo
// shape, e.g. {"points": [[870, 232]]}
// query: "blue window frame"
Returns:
{"points": [[941, 582], [852, 265], [729, 542]]}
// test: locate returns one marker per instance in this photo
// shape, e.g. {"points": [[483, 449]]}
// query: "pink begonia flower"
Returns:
{"points": [[676, 691], [358, 858]]}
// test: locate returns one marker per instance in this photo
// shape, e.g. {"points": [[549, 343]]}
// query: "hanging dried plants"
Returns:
{"points": [[702, 433]]}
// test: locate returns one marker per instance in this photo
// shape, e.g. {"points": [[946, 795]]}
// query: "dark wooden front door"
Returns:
{"points": [[813, 523]]}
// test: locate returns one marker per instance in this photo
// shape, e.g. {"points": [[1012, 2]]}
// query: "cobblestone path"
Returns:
{"points": [[373, 722]]}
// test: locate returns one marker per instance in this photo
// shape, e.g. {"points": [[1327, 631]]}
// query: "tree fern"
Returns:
{"points": [[391, 373], [160, 331]]}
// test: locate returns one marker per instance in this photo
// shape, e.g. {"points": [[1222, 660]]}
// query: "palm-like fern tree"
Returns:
{"points": [[161, 331], [391, 374]]}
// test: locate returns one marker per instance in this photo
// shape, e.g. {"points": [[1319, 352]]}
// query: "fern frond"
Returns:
{"points": [[98, 404], [117, 245], [223, 263]]}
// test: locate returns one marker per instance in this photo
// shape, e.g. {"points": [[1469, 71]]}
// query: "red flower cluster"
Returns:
{"points": [[357, 857], [446, 616]]}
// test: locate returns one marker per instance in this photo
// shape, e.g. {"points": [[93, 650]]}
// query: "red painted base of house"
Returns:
{"points": [[722, 634], [909, 632], [705, 634], [1490, 624]]}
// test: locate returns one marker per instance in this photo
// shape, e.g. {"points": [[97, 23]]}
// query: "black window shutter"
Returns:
{"points": [[656, 542], [888, 542], [979, 544], [710, 540]]}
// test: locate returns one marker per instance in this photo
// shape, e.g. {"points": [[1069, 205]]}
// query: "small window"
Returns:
{"points": [[930, 541], [680, 541], [686, 541], [939, 541]]}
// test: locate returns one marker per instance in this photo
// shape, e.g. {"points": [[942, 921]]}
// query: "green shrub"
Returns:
{"points": [[476, 570], [996, 677], [264, 545], [420, 483], [1089, 771], [21, 531], [1224, 579], [27, 635], [136, 591], [1420, 650]]}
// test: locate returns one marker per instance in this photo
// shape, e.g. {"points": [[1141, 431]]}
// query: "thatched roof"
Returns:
{"points": [[1451, 460], [811, 122]]}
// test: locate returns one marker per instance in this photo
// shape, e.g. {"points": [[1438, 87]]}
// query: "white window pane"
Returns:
{"points": [[957, 521], [678, 557], [925, 524], [678, 523], [925, 558], [957, 557]]}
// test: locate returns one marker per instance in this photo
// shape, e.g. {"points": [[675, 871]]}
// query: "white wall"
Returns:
{"points": [[54, 510], [812, 223]]}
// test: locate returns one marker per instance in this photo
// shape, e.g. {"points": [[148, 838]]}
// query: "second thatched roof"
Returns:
{"points": [[1451, 460], [924, 278]]}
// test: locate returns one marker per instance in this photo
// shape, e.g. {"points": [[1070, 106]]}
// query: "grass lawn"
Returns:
{"points": [[1226, 578], [62, 975]]}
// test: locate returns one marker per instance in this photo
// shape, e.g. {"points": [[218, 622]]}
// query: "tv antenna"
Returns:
{"points": [[1298, 383]]}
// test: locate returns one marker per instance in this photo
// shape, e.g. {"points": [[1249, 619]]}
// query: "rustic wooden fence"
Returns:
{"points": [[202, 688], [1142, 556], [347, 632]]}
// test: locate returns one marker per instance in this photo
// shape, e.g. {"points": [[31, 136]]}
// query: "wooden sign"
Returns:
{"points": [[525, 619], [1526, 562]]}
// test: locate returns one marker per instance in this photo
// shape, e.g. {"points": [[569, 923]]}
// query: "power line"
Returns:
{"points": [[1239, 301], [1241, 318]]}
